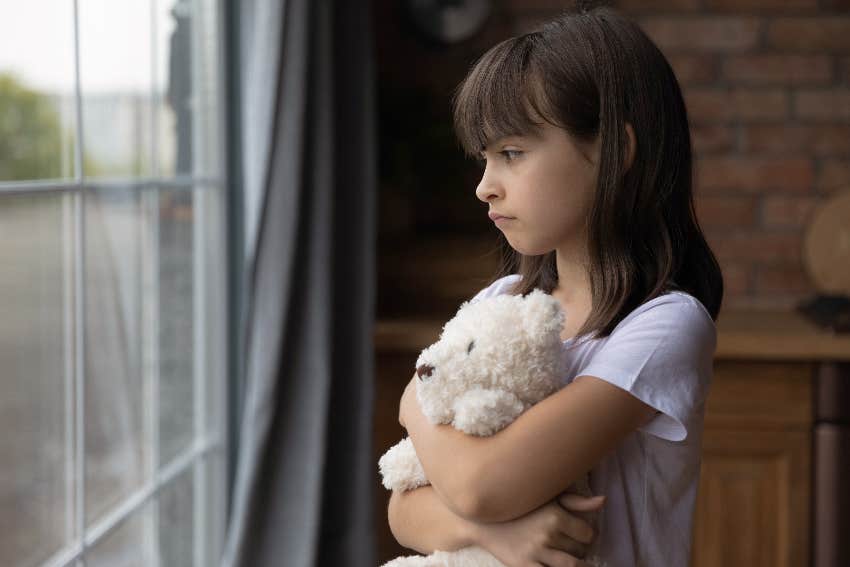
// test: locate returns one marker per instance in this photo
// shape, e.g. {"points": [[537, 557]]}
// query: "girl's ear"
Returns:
{"points": [[630, 153]]}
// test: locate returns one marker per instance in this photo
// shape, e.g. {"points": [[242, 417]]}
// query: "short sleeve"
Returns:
{"points": [[662, 354], [498, 287]]}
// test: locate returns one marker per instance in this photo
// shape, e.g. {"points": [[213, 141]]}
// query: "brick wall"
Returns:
{"points": [[767, 85]]}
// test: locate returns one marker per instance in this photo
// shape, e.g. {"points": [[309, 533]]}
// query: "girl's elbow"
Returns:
{"points": [[467, 506], [486, 510], [471, 497], [476, 504], [497, 505], [462, 499]]}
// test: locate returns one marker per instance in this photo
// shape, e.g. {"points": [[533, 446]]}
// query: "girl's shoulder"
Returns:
{"points": [[498, 287], [674, 303], [680, 315]]}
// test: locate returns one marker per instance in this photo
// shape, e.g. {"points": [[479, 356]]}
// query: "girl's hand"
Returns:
{"points": [[549, 536]]}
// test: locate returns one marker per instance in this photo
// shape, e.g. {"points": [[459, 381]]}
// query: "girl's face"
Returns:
{"points": [[546, 185]]}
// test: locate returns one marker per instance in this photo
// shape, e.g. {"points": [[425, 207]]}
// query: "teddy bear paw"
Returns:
{"points": [[400, 467], [414, 561], [481, 411]]}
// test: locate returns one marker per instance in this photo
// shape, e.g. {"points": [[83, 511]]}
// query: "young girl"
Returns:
{"points": [[584, 135]]}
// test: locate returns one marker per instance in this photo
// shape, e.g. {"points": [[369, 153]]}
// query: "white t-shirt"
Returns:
{"points": [[662, 353]]}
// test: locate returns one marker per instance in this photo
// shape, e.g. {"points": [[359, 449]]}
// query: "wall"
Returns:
{"points": [[767, 86]]}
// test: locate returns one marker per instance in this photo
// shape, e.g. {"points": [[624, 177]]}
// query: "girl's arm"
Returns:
{"points": [[419, 520], [543, 452], [554, 533]]}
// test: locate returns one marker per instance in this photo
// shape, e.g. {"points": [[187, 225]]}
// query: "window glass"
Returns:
{"points": [[113, 339], [36, 355], [117, 444], [117, 92], [37, 105]]}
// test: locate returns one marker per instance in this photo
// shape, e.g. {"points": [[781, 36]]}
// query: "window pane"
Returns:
{"points": [[117, 448], [153, 278], [115, 75], [176, 525], [127, 545], [176, 326], [174, 86], [37, 110], [36, 355], [207, 93]]}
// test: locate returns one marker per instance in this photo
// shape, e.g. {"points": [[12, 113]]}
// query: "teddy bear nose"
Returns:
{"points": [[424, 371]]}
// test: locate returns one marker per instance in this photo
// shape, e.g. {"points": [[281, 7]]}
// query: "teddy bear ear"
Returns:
{"points": [[541, 314]]}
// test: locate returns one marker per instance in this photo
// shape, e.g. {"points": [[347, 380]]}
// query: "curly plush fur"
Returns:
{"points": [[494, 359]]}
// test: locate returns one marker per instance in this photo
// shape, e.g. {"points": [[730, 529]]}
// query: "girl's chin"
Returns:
{"points": [[527, 250]]}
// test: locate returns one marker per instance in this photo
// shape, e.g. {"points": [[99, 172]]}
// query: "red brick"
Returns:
{"points": [[815, 139], [754, 174], [782, 279], [778, 69], [524, 24], [833, 104], [712, 138], [779, 211], [768, 248], [771, 301], [830, 33], [520, 7], [833, 175], [704, 33], [762, 6], [759, 300], [738, 277], [523, 6], [738, 104], [839, 5], [718, 211], [635, 6], [694, 69]]}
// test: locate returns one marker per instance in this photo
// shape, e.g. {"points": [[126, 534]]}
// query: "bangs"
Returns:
{"points": [[499, 97]]}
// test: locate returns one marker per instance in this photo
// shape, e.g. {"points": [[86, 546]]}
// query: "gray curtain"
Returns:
{"points": [[303, 493]]}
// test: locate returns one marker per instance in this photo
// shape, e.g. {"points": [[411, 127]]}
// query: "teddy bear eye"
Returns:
{"points": [[469, 348]]}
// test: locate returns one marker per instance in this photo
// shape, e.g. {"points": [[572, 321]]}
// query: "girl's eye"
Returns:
{"points": [[509, 156], [516, 153]]}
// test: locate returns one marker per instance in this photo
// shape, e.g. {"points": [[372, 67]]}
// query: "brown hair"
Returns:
{"points": [[589, 71]]}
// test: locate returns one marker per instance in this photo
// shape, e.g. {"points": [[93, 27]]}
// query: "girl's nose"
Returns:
{"points": [[488, 189]]}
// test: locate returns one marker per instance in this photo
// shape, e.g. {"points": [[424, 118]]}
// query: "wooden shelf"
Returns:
{"points": [[776, 335], [756, 334]]}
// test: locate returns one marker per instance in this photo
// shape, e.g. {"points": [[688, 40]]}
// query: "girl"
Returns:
{"points": [[583, 133]]}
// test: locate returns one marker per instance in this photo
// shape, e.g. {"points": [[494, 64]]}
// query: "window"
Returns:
{"points": [[112, 283]]}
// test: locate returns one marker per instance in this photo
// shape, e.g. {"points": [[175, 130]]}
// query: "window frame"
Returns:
{"points": [[208, 445]]}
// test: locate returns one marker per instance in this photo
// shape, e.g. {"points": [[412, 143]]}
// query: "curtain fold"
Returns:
{"points": [[303, 493]]}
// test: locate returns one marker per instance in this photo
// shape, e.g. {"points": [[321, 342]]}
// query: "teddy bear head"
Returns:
{"points": [[502, 344]]}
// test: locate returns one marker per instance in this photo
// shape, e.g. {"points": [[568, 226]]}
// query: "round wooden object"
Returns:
{"points": [[826, 249]]}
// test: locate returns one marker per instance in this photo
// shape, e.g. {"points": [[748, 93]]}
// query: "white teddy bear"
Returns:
{"points": [[494, 359]]}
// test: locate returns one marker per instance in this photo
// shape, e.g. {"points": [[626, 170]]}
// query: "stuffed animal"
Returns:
{"points": [[494, 359]]}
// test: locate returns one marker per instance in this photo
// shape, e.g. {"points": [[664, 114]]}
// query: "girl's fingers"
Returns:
{"points": [[566, 544], [579, 503], [577, 528], [554, 558]]}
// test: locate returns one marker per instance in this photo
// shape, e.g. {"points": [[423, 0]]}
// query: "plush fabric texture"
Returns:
{"points": [[494, 359]]}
